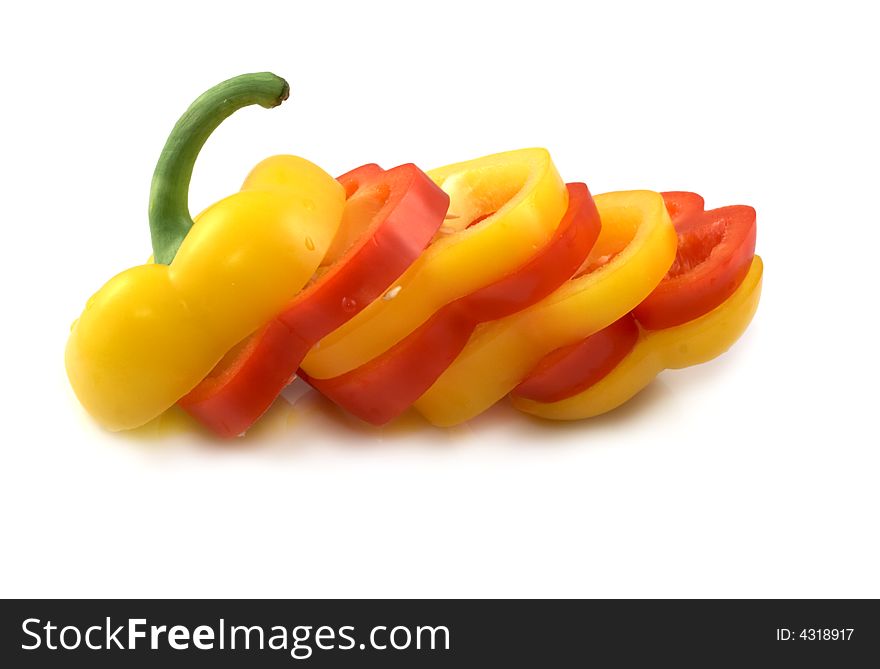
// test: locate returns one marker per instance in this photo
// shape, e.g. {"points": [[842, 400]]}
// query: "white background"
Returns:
{"points": [[754, 475]]}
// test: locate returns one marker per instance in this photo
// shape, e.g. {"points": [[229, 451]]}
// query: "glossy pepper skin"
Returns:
{"points": [[386, 386], [691, 343], [635, 249], [154, 331], [388, 220], [502, 208]]}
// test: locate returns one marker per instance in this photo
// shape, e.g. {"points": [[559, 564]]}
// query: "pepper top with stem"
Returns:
{"points": [[154, 331]]}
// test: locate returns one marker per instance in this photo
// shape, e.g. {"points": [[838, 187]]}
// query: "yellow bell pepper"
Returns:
{"points": [[636, 247], [154, 331], [517, 197], [691, 343]]}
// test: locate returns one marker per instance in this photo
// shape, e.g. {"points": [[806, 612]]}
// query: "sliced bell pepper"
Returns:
{"points": [[388, 220], [635, 249], [387, 385], [691, 343], [502, 208], [712, 246], [154, 331]]}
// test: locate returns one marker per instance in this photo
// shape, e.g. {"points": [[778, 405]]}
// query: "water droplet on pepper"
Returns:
{"points": [[391, 294]]}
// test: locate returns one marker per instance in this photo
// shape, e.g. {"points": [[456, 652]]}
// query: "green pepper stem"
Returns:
{"points": [[170, 219]]}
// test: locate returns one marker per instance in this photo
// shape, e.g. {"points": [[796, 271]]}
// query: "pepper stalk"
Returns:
{"points": [[169, 216]]}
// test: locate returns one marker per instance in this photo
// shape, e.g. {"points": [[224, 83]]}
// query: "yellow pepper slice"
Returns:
{"points": [[517, 199], [691, 343], [638, 237], [151, 333]]}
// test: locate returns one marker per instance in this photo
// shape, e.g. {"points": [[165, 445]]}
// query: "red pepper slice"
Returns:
{"points": [[387, 385], [715, 251], [389, 218], [572, 369]]}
